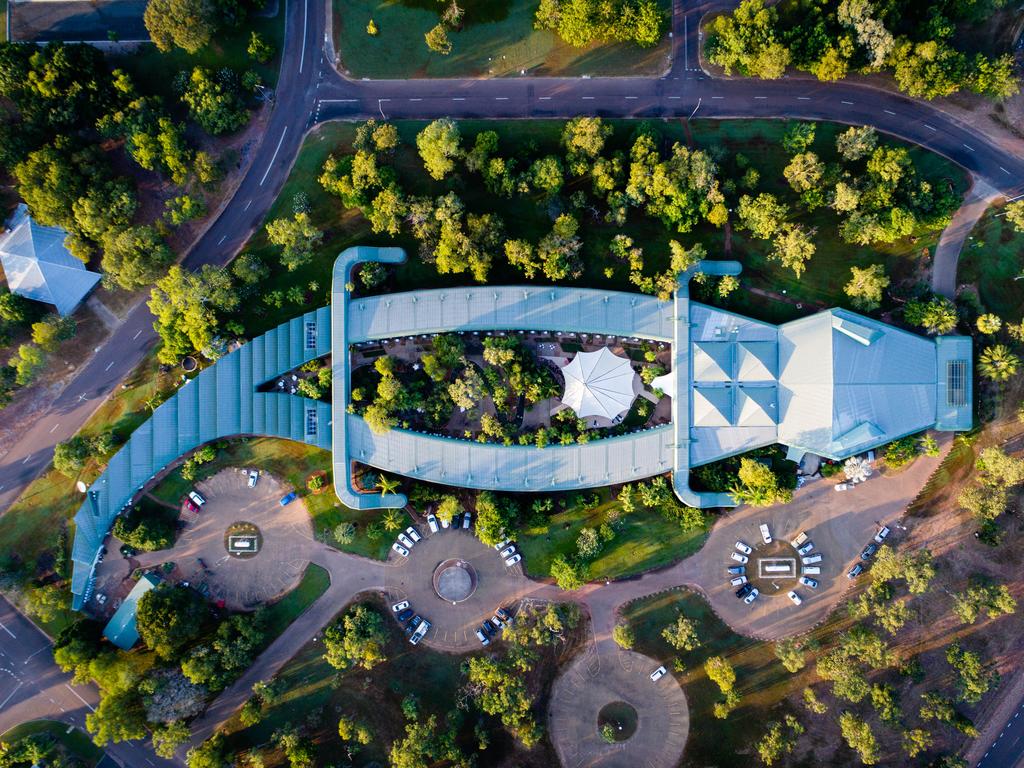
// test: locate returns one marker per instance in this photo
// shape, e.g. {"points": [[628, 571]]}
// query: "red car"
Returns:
{"points": [[191, 506]]}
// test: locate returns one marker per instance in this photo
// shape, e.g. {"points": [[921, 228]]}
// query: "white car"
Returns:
{"points": [[794, 597], [739, 558], [510, 561], [502, 544], [254, 475], [657, 674], [467, 520], [744, 548], [812, 583], [882, 534], [413, 534], [738, 580], [399, 607], [400, 549], [800, 539], [842, 487], [806, 548], [752, 596], [766, 535], [405, 540], [811, 559], [482, 637], [446, 524], [421, 630], [507, 550], [432, 522], [197, 499]]}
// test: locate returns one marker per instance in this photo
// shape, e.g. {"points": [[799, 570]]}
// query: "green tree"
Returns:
{"points": [[13, 308], [134, 257], [212, 753], [118, 717], [936, 316], [998, 363], [186, 24], [168, 618], [792, 654], [916, 741], [28, 363], [46, 602], [866, 286], [184, 208], [799, 137], [860, 738], [856, 143], [494, 516], [624, 636], [52, 330], [437, 40], [185, 304], [989, 323], [763, 215], [682, 634], [720, 671], [777, 743], [438, 145], [357, 639], [568, 576], [260, 49], [214, 100], [1015, 214], [758, 485], [746, 40], [974, 680], [297, 237], [169, 736]]}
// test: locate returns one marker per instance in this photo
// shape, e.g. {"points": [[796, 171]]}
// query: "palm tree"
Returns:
{"points": [[998, 363], [392, 520], [386, 484]]}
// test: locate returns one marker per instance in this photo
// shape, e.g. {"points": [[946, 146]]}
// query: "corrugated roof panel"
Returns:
{"points": [[246, 389], [228, 383]]}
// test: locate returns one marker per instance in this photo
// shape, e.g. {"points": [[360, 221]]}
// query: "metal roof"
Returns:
{"points": [[221, 401], [39, 267], [122, 630]]}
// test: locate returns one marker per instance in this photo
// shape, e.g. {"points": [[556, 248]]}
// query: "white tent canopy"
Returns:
{"points": [[599, 384]]}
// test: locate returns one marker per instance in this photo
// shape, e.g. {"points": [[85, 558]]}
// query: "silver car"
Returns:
{"points": [[752, 596], [400, 549], [510, 561], [405, 540], [507, 551], [739, 558], [413, 534]]}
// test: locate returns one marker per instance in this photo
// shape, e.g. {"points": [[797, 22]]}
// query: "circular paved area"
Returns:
{"points": [[412, 579], [590, 684], [455, 580], [243, 583]]}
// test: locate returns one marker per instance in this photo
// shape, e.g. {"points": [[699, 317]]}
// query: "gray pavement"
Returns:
{"points": [[78, 20], [951, 243]]}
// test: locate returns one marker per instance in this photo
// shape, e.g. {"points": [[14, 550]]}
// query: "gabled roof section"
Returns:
{"points": [[122, 629], [712, 406], [757, 407], [712, 361], [860, 332], [757, 361], [39, 267]]}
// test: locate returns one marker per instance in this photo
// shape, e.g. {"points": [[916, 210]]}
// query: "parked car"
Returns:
{"points": [[810, 570], [883, 534], [745, 590], [489, 627], [254, 476], [502, 544], [403, 616], [400, 549], [191, 506], [432, 522], [467, 521], [413, 534], [736, 581], [800, 539], [805, 548], [657, 674], [510, 561], [854, 572], [482, 637], [286, 500], [400, 606], [504, 615], [497, 622], [739, 558], [744, 548], [794, 597], [752, 596], [507, 550], [868, 551], [766, 535], [197, 498], [420, 632], [812, 583], [405, 541], [446, 524], [415, 621], [737, 570], [810, 559]]}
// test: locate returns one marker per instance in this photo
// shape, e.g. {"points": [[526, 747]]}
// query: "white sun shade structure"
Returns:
{"points": [[599, 384]]}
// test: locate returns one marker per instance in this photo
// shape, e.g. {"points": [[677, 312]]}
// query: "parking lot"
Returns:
{"points": [[78, 21]]}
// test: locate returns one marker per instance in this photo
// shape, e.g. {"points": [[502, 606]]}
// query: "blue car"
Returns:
{"points": [[285, 501]]}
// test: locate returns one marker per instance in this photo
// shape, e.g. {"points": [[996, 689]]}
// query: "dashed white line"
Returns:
{"points": [[803, 98], [222, 239], [10, 695], [247, 205], [91, 709], [1004, 170], [930, 128], [544, 98], [760, 97], [5, 629], [675, 97], [630, 97], [109, 366], [25, 460], [587, 98], [274, 157], [54, 427], [415, 99], [501, 98], [969, 147], [718, 97], [888, 112], [458, 98], [846, 102], [137, 334]]}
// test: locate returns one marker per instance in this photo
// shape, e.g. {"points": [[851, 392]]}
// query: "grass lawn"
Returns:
{"points": [[279, 615], [644, 540], [74, 744], [992, 260], [292, 463], [497, 39]]}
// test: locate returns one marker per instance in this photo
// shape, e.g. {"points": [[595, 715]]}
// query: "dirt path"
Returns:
{"points": [[951, 243]]}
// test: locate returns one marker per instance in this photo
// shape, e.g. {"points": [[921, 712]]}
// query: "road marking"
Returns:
{"points": [[458, 98], [11, 694], [415, 99], [1007, 173], [109, 366], [5, 629], [501, 98], [223, 238], [137, 333], [718, 97], [969, 147], [38, 651], [631, 97], [91, 709], [760, 97], [305, 27], [846, 102], [587, 98], [272, 159], [888, 112], [338, 101], [54, 427], [25, 460], [928, 127], [544, 98], [803, 98], [247, 205], [675, 97], [686, 43]]}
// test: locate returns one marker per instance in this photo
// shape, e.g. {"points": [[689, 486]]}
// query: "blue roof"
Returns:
{"points": [[39, 267], [121, 630]]}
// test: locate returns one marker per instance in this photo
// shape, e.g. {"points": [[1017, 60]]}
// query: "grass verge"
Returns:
{"points": [[280, 614], [992, 260], [74, 745]]}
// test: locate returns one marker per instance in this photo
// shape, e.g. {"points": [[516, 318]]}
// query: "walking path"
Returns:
{"points": [[947, 253]]}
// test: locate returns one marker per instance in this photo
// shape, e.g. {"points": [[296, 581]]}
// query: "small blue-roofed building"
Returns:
{"points": [[39, 267], [121, 630]]}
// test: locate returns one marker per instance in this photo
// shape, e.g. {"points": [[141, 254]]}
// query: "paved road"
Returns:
{"points": [[947, 253], [32, 687], [1008, 748], [311, 91]]}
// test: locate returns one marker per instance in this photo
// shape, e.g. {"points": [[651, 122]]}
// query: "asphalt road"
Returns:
{"points": [[1008, 748], [32, 687]]}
